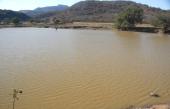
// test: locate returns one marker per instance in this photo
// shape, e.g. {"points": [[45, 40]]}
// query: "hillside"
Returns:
{"points": [[8, 15], [100, 11], [43, 10]]}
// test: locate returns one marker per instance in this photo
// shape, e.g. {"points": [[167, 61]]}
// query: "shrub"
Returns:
{"points": [[129, 18], [15, 21], [162, 21]]}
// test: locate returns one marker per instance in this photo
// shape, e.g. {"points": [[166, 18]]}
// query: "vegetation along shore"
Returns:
{"points": [[123, 15]]}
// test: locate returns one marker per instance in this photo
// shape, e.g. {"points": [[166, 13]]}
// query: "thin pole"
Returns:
{"points": [[13, 104], [14, 97]]}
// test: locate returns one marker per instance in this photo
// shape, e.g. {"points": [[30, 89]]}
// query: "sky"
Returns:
{"points": [[32, 4]]}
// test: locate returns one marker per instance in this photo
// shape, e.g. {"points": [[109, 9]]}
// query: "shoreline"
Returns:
{"points": [[75, 25], [146, 28]]}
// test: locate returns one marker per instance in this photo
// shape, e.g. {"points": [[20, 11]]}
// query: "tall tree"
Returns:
{"points": [[16, 21], [56, 21], [162, 21], [129, 18]]}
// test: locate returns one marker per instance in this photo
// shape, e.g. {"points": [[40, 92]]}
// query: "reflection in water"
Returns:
{"points": [[83, 69]]}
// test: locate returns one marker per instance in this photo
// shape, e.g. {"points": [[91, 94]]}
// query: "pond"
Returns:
{"points": [[83, 69]]}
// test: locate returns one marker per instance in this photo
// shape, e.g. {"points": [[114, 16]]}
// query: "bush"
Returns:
{"points": [[162, 21], [57, 21], [15, 21], [129, 18]]}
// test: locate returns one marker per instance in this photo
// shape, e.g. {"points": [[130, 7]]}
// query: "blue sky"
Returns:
{"points": [[32, 4]]}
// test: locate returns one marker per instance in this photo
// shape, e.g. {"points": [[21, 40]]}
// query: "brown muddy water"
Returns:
{"points": [[83, 69]]}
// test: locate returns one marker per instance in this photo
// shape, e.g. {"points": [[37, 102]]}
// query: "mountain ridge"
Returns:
{"points": [[43, 10], [99, 11]]}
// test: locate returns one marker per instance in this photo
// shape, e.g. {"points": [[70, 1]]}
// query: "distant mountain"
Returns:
{"points": [[99, 11], [43, 10], [9, 15]]}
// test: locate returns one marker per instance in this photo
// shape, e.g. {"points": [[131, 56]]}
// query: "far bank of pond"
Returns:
{"points": [[90, 25]]}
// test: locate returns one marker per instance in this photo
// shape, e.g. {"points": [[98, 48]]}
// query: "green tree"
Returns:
{"points": [[129, 18], [15, 21], [162, 21], [31, 21], [56, 21]]}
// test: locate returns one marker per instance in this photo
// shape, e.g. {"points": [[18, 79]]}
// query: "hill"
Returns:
{"points": [[99, 11], [43, 10], [9, 15]]}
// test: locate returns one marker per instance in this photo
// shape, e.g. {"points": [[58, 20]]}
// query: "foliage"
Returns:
{"points": [[6, 21], [8, 15], [15, 20], [56, 21], [129, 18], [162, 21], [31, 21], [98, 11]]}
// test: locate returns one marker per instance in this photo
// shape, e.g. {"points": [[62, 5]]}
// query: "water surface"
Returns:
{"points": [[83, 69]]}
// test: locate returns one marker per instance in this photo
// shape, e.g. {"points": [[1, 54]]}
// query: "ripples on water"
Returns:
{"points": [[83, 69]]}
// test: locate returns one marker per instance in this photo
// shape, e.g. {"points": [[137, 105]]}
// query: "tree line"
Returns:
{"points": [[135, 15], [13, 20]]}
